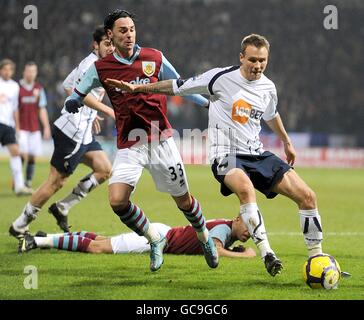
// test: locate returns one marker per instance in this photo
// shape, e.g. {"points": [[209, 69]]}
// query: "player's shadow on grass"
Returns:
{"points": [[269, 284], [10, 196], [108, 283]]}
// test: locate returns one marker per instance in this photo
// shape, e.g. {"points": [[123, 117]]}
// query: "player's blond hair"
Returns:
{"points": [[255, 40]]}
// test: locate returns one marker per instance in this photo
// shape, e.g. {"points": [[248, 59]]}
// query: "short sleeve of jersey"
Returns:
{"points": [[271, 111], [69, 82], [42, 99], [221, 232], [89, 81], [15, 98], [167, 71], [197, 84]]}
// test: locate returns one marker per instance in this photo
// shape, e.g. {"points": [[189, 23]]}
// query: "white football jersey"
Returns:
{"points": [[9, 100], [236, 108], [78, 126]]}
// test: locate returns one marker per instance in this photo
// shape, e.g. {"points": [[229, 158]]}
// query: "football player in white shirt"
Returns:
{"points": [[240, 97], [9, 123], [74, 143]]}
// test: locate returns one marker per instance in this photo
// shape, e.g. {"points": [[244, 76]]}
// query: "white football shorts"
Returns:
{"points": [[133, 243], [30, 142], [162, 160]]}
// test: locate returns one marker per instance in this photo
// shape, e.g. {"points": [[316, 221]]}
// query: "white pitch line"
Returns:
{"points": [[101, 233], [279, 234], [332, 234]]}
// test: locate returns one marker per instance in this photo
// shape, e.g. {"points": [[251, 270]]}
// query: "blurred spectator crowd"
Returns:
{"points": [[318, 72]]}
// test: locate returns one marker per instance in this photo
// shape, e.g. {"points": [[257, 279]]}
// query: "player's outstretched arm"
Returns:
{"points": [[162, 87], [222, 252]]}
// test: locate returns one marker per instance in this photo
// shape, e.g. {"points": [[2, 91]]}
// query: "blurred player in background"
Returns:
{"points": [[180, 240], [9, 123], [144, 135], [32, 106], [240, 96], [74, 143]]}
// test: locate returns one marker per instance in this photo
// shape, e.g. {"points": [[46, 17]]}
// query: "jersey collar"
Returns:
{"points": [[28, 86], [135, 55]]}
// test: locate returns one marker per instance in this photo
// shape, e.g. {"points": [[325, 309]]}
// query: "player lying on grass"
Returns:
{"points": [[181, 240]]}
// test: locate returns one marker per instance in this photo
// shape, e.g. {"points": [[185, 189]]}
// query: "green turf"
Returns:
{"points": [[65, 275]]}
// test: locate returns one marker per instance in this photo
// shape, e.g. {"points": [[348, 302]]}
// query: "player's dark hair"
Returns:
{"points": [[99, 33], [5, 62], [115, 15], [255, 40], [29, 64]]}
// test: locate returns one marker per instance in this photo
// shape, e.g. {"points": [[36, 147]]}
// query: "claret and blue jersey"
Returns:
{"points": [[134, 111]]}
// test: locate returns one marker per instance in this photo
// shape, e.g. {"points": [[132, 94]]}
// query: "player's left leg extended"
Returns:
{"points": [[169, 175], [76, 241], [293, 187], [192, 211], [101, 166]]}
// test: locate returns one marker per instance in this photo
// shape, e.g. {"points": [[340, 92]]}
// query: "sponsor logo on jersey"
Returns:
{"points": [[140, 81], [29, 99], [242, 111], [148, 68]]}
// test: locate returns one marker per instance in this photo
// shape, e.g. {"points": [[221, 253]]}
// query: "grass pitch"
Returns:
{"points": [[69, 275]]}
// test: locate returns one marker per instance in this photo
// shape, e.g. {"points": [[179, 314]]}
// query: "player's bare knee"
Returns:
{"points": [[184, 202], [118, 205], [308, 199], [102, 177], [105, 175], [102, 174], [94, 247], [246, 194]]}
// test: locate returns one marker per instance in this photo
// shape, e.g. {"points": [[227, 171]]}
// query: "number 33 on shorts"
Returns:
{"points": [[176, 172]]}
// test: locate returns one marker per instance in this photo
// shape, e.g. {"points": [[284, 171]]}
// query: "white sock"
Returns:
{"points": [[17, 171], [56, 235], [254, 221], [152, 234], [44, 242], [312, 230], [86, 185], [28, 214], [203, 236]]}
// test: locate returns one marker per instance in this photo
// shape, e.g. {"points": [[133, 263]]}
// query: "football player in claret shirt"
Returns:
{"points": [[180, 240], [240, 96], [32, 106], [144, 135], [74, 143], [9, 123]]}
